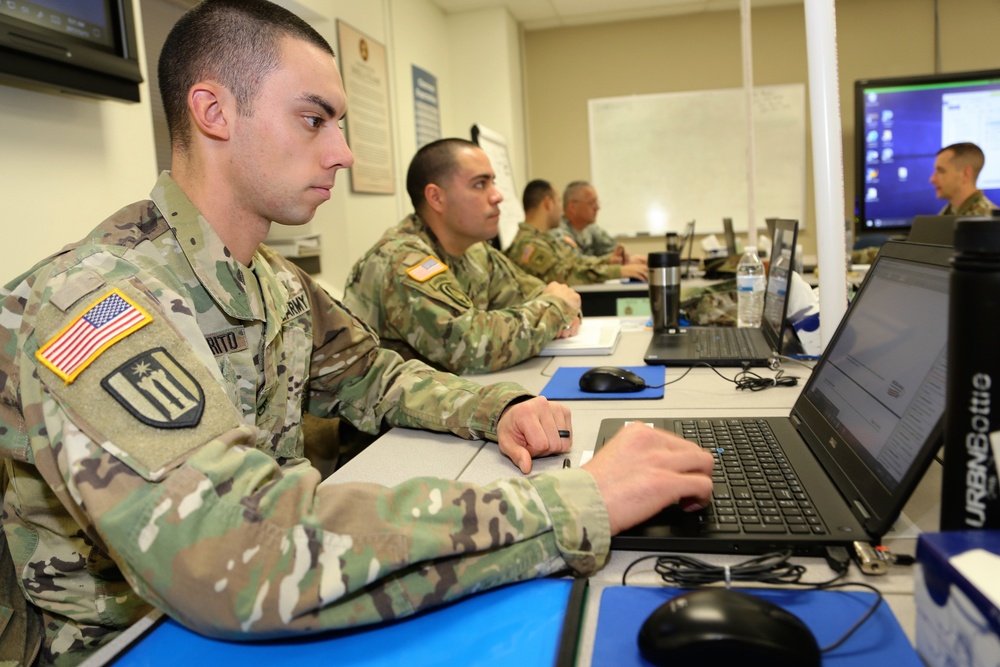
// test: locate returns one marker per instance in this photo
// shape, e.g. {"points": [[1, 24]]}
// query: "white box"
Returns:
{"points": [[957, 594]]}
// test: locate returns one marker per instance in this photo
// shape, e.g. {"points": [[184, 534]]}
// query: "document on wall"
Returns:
{"points": [[366, 80]]}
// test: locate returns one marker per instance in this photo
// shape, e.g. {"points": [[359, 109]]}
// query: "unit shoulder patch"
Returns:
{"points": [[156, 390]]}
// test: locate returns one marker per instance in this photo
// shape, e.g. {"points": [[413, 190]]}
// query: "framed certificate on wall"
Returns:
{"points": [[369, 131]]}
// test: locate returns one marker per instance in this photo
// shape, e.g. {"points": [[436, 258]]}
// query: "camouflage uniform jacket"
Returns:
{"points": [[169, 470], [976, 204], [592, 241], [471, 314], [550, 260]]}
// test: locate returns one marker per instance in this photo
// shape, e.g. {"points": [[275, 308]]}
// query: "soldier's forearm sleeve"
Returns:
{"points": [[470, 340], [233, 548]]}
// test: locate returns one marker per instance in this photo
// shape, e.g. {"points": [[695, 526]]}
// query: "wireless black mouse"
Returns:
{"points": [[710, 626], [610, 379]]}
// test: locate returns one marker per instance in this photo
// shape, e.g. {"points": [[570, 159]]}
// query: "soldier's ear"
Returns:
{"points": [[436, 197], [210, 105]]}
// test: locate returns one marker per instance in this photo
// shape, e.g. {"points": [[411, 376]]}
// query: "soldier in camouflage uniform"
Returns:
{"points": [[579, 228], [956, 169], [433, 290], [153, 377], [547, 258]]}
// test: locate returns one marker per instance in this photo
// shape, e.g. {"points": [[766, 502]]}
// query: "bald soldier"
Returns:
{"points": [[434, 290], [153, 378], [538, 253]]}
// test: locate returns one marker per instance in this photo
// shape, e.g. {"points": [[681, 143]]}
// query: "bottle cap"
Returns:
{"points": [[977, 235], [660, 260]]}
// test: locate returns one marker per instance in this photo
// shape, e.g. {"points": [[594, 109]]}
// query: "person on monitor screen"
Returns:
{"points": [[956, 169], [580, 230], [549, 259], [434, 289], [154, 375]]}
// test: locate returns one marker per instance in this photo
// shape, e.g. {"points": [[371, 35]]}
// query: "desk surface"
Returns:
{"points": [[401, 454]]}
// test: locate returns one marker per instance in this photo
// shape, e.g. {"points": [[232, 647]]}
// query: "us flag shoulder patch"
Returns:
{"points": [[426, 269], [105, 322]]}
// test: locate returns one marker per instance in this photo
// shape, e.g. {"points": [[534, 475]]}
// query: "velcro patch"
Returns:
{"points": [[227, 341], [426, 269], [105, 322], [297, 305], [156, 390], [526, 254]]}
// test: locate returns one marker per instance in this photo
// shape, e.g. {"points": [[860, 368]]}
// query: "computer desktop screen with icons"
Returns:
{"points": [[901, 124]]}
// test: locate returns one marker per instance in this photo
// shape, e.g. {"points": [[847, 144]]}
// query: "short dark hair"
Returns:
{"points": [[967, 153], [236, 43], [535, 193], [433, 163]]}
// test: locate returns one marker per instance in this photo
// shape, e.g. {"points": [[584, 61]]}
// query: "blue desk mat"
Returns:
{"points": [[829, 614], [517, 624], [565, 384]]}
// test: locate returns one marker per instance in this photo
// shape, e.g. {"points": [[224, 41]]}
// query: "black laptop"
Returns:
{"points": [[731, 346], [859, 439]]}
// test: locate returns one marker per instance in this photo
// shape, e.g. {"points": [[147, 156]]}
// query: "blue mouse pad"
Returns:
{"points": [[829, 614], [487, 629], [565, 384]]}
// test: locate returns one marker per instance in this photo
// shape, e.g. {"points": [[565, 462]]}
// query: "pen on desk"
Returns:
{"points": [[566, 463], [563, 433]]}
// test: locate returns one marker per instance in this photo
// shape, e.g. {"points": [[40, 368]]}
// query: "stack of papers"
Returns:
{"points": [[596, 336]]}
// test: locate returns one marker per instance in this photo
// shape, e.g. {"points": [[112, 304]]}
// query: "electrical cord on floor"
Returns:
{"points": [[771, 568]]}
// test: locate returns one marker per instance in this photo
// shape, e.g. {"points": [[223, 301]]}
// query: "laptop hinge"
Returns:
{"points": [[862, 510]]}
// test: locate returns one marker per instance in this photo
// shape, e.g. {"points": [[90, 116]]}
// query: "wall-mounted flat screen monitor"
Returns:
{"points": [[900, 125], [84, 47]]}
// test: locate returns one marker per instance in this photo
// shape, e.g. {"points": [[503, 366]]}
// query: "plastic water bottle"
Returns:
{"points": [[750, 285]]}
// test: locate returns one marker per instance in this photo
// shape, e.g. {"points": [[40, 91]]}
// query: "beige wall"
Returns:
{"points": [[565, 67], [66, 163]]}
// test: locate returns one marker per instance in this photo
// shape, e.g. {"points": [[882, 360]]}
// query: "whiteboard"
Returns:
{"points": [[511, 209], [659, 161]]}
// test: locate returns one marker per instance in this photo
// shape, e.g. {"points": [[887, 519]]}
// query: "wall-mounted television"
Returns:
{"points": [[901, 123], [84, 47]]}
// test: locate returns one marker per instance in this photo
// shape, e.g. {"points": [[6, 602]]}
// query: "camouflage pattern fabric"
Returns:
{"points": [[476, 313], [592, 241], [711, 305], [549, 259], [976, 204], [169, 471]]}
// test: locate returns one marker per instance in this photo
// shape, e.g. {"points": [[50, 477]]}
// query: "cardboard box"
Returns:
{"points": [[956, 589]]}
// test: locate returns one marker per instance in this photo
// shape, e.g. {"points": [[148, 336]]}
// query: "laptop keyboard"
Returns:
{"points": [[756, 490], [723, 343]]}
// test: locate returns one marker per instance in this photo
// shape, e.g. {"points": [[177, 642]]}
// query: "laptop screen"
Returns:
{"points": [[881, 386], [776, 298]]}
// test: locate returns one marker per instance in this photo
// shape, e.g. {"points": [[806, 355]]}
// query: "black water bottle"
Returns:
{"points": [[665, 290], [970, 498]]}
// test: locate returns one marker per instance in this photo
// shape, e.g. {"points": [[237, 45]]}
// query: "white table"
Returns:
{"points": [[402, 454]]}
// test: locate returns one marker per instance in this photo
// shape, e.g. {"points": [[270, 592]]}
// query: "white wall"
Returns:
{"points": [[67, 163]]}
